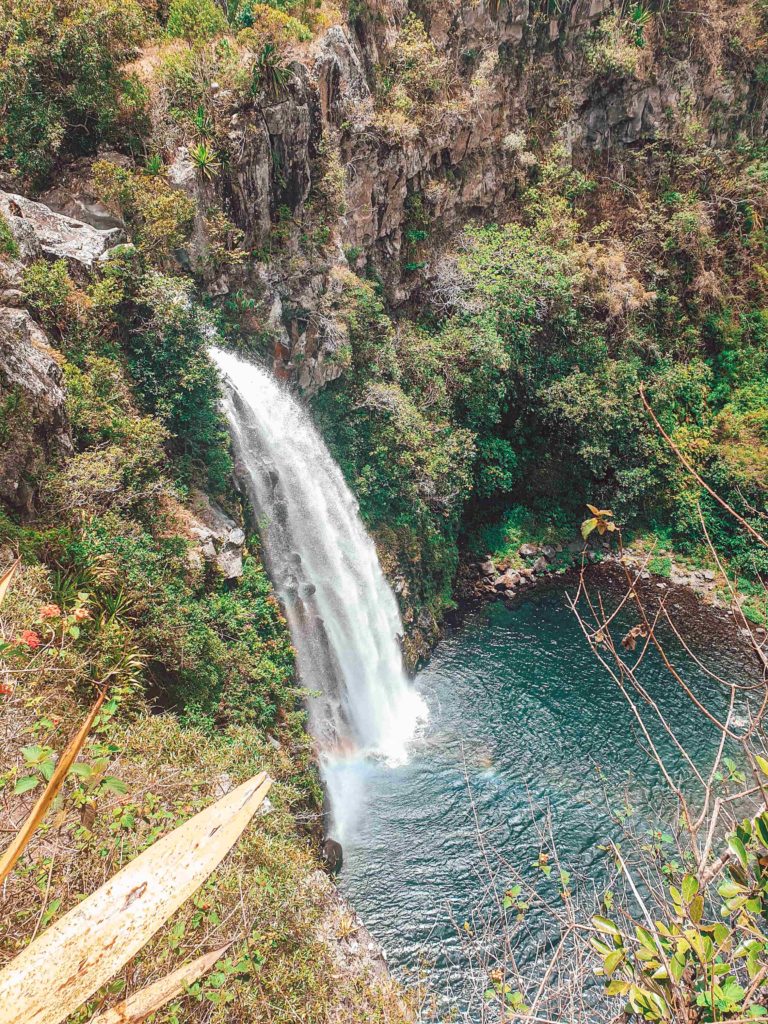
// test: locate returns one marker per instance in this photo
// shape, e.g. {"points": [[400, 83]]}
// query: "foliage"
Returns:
{"points": [[63, 87], [9, 247], [160, 216], [195, 20]]}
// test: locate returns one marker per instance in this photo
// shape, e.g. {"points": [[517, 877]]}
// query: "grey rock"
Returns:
{"points": [[528, 551], [38, 431], [488, 568], [332, 855], [38, 229], [549, 552], [220, 540], [541, 565]]}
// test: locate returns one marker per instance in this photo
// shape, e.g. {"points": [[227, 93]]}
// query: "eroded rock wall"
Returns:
{"points": [[516, 81]]}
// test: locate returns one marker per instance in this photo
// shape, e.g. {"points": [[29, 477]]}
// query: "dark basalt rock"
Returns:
{"points": [[332, 856]]}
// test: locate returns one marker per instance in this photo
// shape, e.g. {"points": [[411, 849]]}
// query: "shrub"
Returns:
{"points": [[62, 84], [195, 20], [176, 381], [9, 247], [262, 23], [161, 216]]}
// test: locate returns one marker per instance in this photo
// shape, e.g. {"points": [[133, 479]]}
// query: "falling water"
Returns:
{"points": [[343, 616]]}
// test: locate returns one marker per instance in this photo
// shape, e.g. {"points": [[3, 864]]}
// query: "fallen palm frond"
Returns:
{"points": [[38, 812], [136, 1007], [61, 969], [5, 579]]}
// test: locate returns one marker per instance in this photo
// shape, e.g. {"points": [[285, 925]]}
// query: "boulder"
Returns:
{"points": [[33, 419], [220, 541], [40, 231], [508, 581], [332, 855], [541, 565], [488, 567], [528, 551], [549, 552]]}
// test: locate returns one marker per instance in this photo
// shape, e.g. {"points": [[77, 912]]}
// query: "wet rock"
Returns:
{"points": [[508, 581], [38, 230], [332, 855]]}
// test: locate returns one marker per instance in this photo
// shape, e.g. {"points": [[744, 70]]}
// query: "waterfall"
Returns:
{"points": [[343, 617]]}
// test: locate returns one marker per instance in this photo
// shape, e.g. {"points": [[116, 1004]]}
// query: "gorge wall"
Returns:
{"points": [[382, 135]]}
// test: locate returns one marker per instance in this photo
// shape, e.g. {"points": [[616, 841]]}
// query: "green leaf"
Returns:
{"points": [[74, 632], [761, 827], [690, 887], [50, 910], [34, 754], [736, 847], [113, 785], [605, 926], [81, 770], [25, 784], [762, 764], [729, 889], [613, 960], [587, 527]]}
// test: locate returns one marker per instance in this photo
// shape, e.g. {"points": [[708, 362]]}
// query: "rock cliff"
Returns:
{"points": [[338, 150]]}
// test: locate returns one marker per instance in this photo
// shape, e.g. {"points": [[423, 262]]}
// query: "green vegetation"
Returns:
{"points": [[63, 87], [520, 387]]}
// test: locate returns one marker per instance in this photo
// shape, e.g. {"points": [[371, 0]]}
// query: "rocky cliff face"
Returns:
{"points": [[389, 170], [33, 422]]}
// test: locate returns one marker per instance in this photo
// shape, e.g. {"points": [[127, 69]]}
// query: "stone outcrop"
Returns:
{"points": [[510, 68], [218, 540], [33, 419], [41, 232]]}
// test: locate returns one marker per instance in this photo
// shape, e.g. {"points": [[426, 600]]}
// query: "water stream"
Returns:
{"points": [[343, 617]]}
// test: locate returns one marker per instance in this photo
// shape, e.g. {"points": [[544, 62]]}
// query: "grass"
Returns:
{"points": [[502, 539], [268, 896]]}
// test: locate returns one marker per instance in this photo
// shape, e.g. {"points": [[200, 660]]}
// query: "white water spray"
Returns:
{"points": [[342, 614]]}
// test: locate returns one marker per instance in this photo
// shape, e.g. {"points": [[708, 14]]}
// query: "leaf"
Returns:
{"points": [[613, 960], [696, 909], [38, 812], [607, 927], [24, 785], [148, 1000], [690, 887], [587, 527], [762, 764], [736, 847], [5, 580], [113, 785], [62, 968]]}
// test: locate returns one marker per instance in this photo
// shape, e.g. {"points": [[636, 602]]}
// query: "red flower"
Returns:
{"points": [[29, 638], [50, 611], [6, 689]]}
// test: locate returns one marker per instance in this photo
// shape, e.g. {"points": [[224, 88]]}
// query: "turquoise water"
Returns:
{"points": [[525, 727]]}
